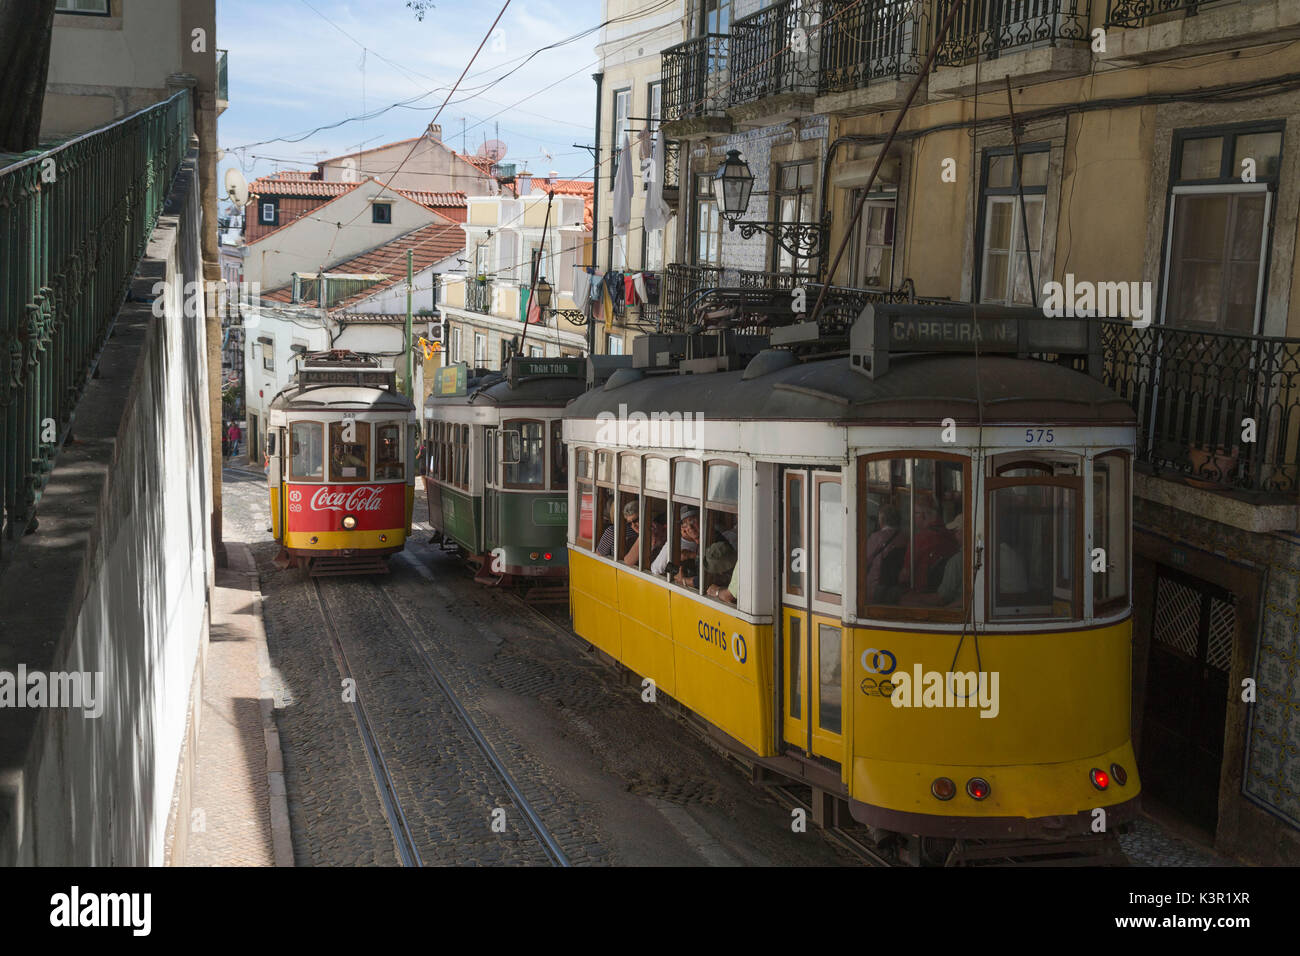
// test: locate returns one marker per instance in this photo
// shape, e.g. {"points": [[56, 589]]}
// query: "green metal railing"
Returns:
{"points": [[74, 221]]}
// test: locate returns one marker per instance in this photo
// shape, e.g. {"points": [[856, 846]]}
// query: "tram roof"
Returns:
{"points": [[341, 396], [536, 392], [918, 388]]}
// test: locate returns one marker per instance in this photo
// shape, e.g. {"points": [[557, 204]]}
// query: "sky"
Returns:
{"points": [[295, 65]]}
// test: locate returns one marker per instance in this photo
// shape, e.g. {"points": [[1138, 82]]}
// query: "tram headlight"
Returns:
{"points": [[349, 522], [1099, 778], [1118, 774], [943, 789], [977, 787]]}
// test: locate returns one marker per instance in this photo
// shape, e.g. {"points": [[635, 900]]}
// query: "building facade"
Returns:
{"points": [[1136, 165]]}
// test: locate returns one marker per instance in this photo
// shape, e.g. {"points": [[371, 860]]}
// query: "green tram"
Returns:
{"points": [[496, 471]]}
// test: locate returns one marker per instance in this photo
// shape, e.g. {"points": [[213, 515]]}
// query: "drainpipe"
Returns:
{"points": [[595, 209]]}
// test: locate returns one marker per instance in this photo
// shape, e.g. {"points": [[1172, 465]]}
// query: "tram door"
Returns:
{"points": [[812, 511], [491, 533]]}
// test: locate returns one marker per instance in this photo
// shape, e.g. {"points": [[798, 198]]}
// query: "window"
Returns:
{"points": [[455, 344], [828, 506], [534, 351], [99, 7], [794, 534], [270, 212], [1004, 273], [1035, 537], [613, 345], [586, 498], [480, 349], [654, 98], [794, 204], [559, 460], [708, 225], [652, 249], [617, 248], [604, 514], [627, 525], [721, 531], [679, 558], [381, 212], [525, 457], [388, 452], [654, 511], [622, 110], [306, 451], [1110, 530], [268, 356], [872, 261], [710, 16], [349, 451], [911, 538], [1219, 226]]}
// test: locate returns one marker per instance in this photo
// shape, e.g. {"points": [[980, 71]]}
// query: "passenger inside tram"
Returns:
{"points": [[720, 566], [932, 545], [886, 549], [605, 548], [688, 548], [308, 460], [388, 453]]}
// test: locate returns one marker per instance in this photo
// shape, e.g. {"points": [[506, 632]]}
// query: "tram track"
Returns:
{"points": [[471, 737], [554, 852], [407, 852]]}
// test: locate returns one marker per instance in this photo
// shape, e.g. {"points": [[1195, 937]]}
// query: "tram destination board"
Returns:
{"points": [[547, 367], [380, 378], [885, 328]]}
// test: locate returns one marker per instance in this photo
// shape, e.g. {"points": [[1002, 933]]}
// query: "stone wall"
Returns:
{"points": [[114, 582]]}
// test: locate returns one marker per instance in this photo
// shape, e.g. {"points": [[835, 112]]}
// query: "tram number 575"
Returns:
{"points": [[1039, 436]]}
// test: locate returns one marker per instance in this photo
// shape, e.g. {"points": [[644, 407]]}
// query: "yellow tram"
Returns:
{"points": [[341, 446], [900, 576]]}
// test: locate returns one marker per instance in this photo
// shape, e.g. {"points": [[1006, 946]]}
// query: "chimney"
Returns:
{"points": [[434, 132], [552, 177], [523, 184]]}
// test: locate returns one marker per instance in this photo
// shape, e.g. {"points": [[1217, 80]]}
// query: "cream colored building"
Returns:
{"points": [[630, 88]]}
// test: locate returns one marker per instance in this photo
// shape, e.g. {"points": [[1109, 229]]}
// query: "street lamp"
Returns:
{"points": [[543, 291], [732, 185]]}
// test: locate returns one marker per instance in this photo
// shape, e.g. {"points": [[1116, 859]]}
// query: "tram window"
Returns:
{"points": [[654, 515], [686, 479], [586, 499], [349, 460], [678, 559], [721, 543], [559, 459], [1034, 465], [830, 540], [530, 470], [828, 677], [1032, 550], [307, 451], [463, 477], [794, 534], [796, 667], [911, 538], [605, 504], [388, 451], [1110, 524], [604, 466]]}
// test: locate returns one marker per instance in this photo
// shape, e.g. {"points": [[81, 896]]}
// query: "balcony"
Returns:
{"points": [[1192, 390], [774, 62], [1153, 30], [672, 171], [696, 82], [871, 50], [1049, 38], [478, 296]]}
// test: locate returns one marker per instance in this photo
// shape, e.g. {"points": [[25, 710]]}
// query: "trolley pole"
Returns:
{"points": [[410, 355]]}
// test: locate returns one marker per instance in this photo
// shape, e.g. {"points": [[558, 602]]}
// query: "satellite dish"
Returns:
{"points": [[236, 186], [494, 150]]}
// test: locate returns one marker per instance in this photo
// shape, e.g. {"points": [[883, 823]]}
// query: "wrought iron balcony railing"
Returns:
{"points": [[672, 169], [695, 77], [776, 50], [679, 280], [1197, 393], [989, 27], [478, 296], [1135, 13], [867, 40], [68, 248]]}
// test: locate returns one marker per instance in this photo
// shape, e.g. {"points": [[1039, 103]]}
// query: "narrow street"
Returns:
{"points": [[616, 781]]}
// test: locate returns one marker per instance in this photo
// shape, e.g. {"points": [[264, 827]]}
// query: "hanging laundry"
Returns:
{"points": [[581, 286], [623, 189], [614, 288], [644, 147], [629, 289], [651, 287], [638, 282], [656, 210]]}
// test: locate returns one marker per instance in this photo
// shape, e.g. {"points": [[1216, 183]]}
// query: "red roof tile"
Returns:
{"points": [[430, 244], [315, 188]]}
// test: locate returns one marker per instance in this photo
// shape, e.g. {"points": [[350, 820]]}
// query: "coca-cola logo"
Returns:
{"points": [[358, 499]]}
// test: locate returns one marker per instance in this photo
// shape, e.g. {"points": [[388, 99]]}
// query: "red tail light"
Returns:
{"points": [[943, 788], [977, 787], [1118, 774], [1100, 779], [547, 555]]}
